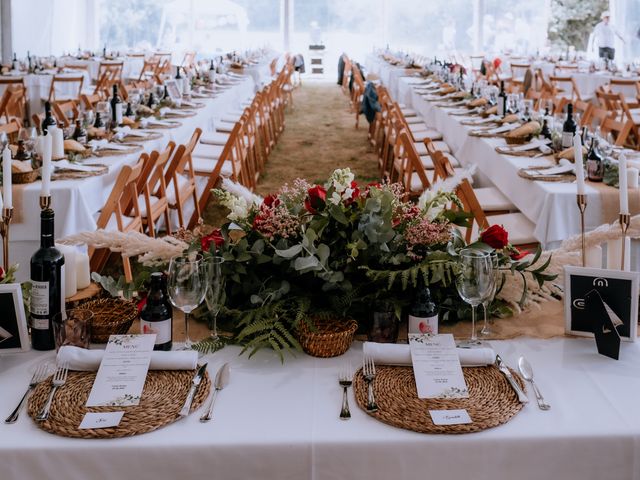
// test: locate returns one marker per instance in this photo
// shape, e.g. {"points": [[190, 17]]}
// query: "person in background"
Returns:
{"points": [[604, 37]]}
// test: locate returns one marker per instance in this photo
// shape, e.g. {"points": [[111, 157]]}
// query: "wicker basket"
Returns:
{"points": [[111, 316], [25, 177], [518, 140], [330, 338]]}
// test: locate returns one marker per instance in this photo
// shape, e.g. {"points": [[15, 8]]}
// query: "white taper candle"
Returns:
{"points": [[623, 184], [6, 178], [579, 165]]}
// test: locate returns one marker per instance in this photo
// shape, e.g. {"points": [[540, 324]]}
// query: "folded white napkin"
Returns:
{"points": [[151, 121], [539, 144], [397, 354], [504, 128], [129, 132], [106, 145], [67, 165], [85, 360]]}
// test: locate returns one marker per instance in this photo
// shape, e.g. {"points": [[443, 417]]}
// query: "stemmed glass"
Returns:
{"points": [[186, 286], [474, 282], [214, 295], [486, 301]]}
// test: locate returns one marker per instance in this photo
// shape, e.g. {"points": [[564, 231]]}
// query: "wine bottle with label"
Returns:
{"points": [[129, 112], [595, 164], [14, 62], [178, 79], [47, 285], [79, 133], [48, 121], [423, 316], [569, 128], [502, 101], [156, 316], [212, 72], [116, 108]]}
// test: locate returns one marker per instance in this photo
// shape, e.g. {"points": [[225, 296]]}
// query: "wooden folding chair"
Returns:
{"points": [[518, 72], [408, 169], [73, 83], [565, 87], [620, 130], [629, 89], [13, 103], [180, 180], [11, 129], [153, 200], [123, 197]]}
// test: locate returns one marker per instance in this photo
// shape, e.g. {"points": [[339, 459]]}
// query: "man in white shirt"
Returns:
{"points": [[604, 36]]}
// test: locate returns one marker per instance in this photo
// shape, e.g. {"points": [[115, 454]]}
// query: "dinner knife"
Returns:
{"points": [[221, 381], [522, 397], [195, 383]]}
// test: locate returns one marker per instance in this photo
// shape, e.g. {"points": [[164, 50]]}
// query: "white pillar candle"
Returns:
{"points": [[593, 257], [6, 178], [633, 175], [46, 165], [70, 280], [83, 273], [623, 184], [579, 165], [614, 254], [57, 139]]}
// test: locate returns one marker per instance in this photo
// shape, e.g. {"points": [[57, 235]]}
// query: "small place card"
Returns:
{"points": [[436, 367], [450, 417], [101, 420], [123, 371]]}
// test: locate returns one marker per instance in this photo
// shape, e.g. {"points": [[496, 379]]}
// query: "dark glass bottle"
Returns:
{"points": [[545, 132], [104, 52], [595, 164], [47, 285], [152, 100], [14, 62], [48, 121], [98, 123], [502, 101], [165, 94], [156, 316], [129, 112], [423, 315], [79, 133], [569, 128], [116, 108]]}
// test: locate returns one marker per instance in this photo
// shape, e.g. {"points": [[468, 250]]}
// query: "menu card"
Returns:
{"points": [[436, 366], [123, 371]]}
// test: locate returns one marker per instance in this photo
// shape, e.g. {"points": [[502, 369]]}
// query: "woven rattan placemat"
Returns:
{"points": [[67, 174], [162, 398], [540, 175], [491, 401]]}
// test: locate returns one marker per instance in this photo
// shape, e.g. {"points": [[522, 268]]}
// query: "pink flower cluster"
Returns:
{"points": [[424, 233], [275, 220], [294, 194]]}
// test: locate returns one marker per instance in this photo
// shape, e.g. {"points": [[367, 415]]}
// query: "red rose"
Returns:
{"points": [[1, 273], [271, 201], [496, 63], [354, 195], [495, 236], [316, 199], [215, 237]]}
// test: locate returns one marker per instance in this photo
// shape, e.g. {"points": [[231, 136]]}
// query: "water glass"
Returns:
{"points": [[474, 283], [72, 327], [486, 331], [187, 285]]}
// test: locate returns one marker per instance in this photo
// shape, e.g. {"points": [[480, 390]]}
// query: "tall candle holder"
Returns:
{"points": [[625, 222], [581, 200], [7, 215], [45, 202]]}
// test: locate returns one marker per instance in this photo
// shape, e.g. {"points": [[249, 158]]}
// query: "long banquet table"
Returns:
{"points": [[281, 422], [551, 206], [77, 202]]}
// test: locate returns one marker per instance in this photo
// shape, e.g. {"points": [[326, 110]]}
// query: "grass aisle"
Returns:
{"points": [[319, 137]]}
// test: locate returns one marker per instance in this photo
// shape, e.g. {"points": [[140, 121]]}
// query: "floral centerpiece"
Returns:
{"points": [[339, 248]]}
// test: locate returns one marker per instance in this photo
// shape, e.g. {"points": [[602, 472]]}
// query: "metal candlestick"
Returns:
{"points": [[625, 221], [45, 202], [581, 200], [7, 215]]}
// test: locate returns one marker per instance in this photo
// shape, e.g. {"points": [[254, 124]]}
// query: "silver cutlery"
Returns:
{"points": [[221, 381], [195, 383], [369, 373], [345, 380], [522, 397], [526, 370], [58, 380], [38, 376]]}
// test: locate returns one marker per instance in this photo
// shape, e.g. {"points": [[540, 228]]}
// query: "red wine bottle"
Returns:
{"points": [[156, 316], [423, 316], [47, 285], [116, 108], [569, 128], [48, 121]]}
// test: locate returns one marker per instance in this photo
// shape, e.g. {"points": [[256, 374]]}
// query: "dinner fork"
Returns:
{"points": [[38, 376], [58, 380], [369, 373], [345, 382]]}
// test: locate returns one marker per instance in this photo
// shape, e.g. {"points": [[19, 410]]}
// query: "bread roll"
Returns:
{"points": [[525, 130], [20, 167], [73, 146], [126, 121], [568, 154], [511, 118], [478, 102]]}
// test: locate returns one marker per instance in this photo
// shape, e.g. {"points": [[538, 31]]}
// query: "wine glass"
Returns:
{"points": [[474, 282], [214, 295], [486, 301], [186, 286], [104, 109]]}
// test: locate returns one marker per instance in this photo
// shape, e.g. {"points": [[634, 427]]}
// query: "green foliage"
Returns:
{"points": [[572, 21], [120, 287]]}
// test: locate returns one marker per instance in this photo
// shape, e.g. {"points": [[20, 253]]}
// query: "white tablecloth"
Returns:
{"points": [[281, 422], [77, 202]]}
